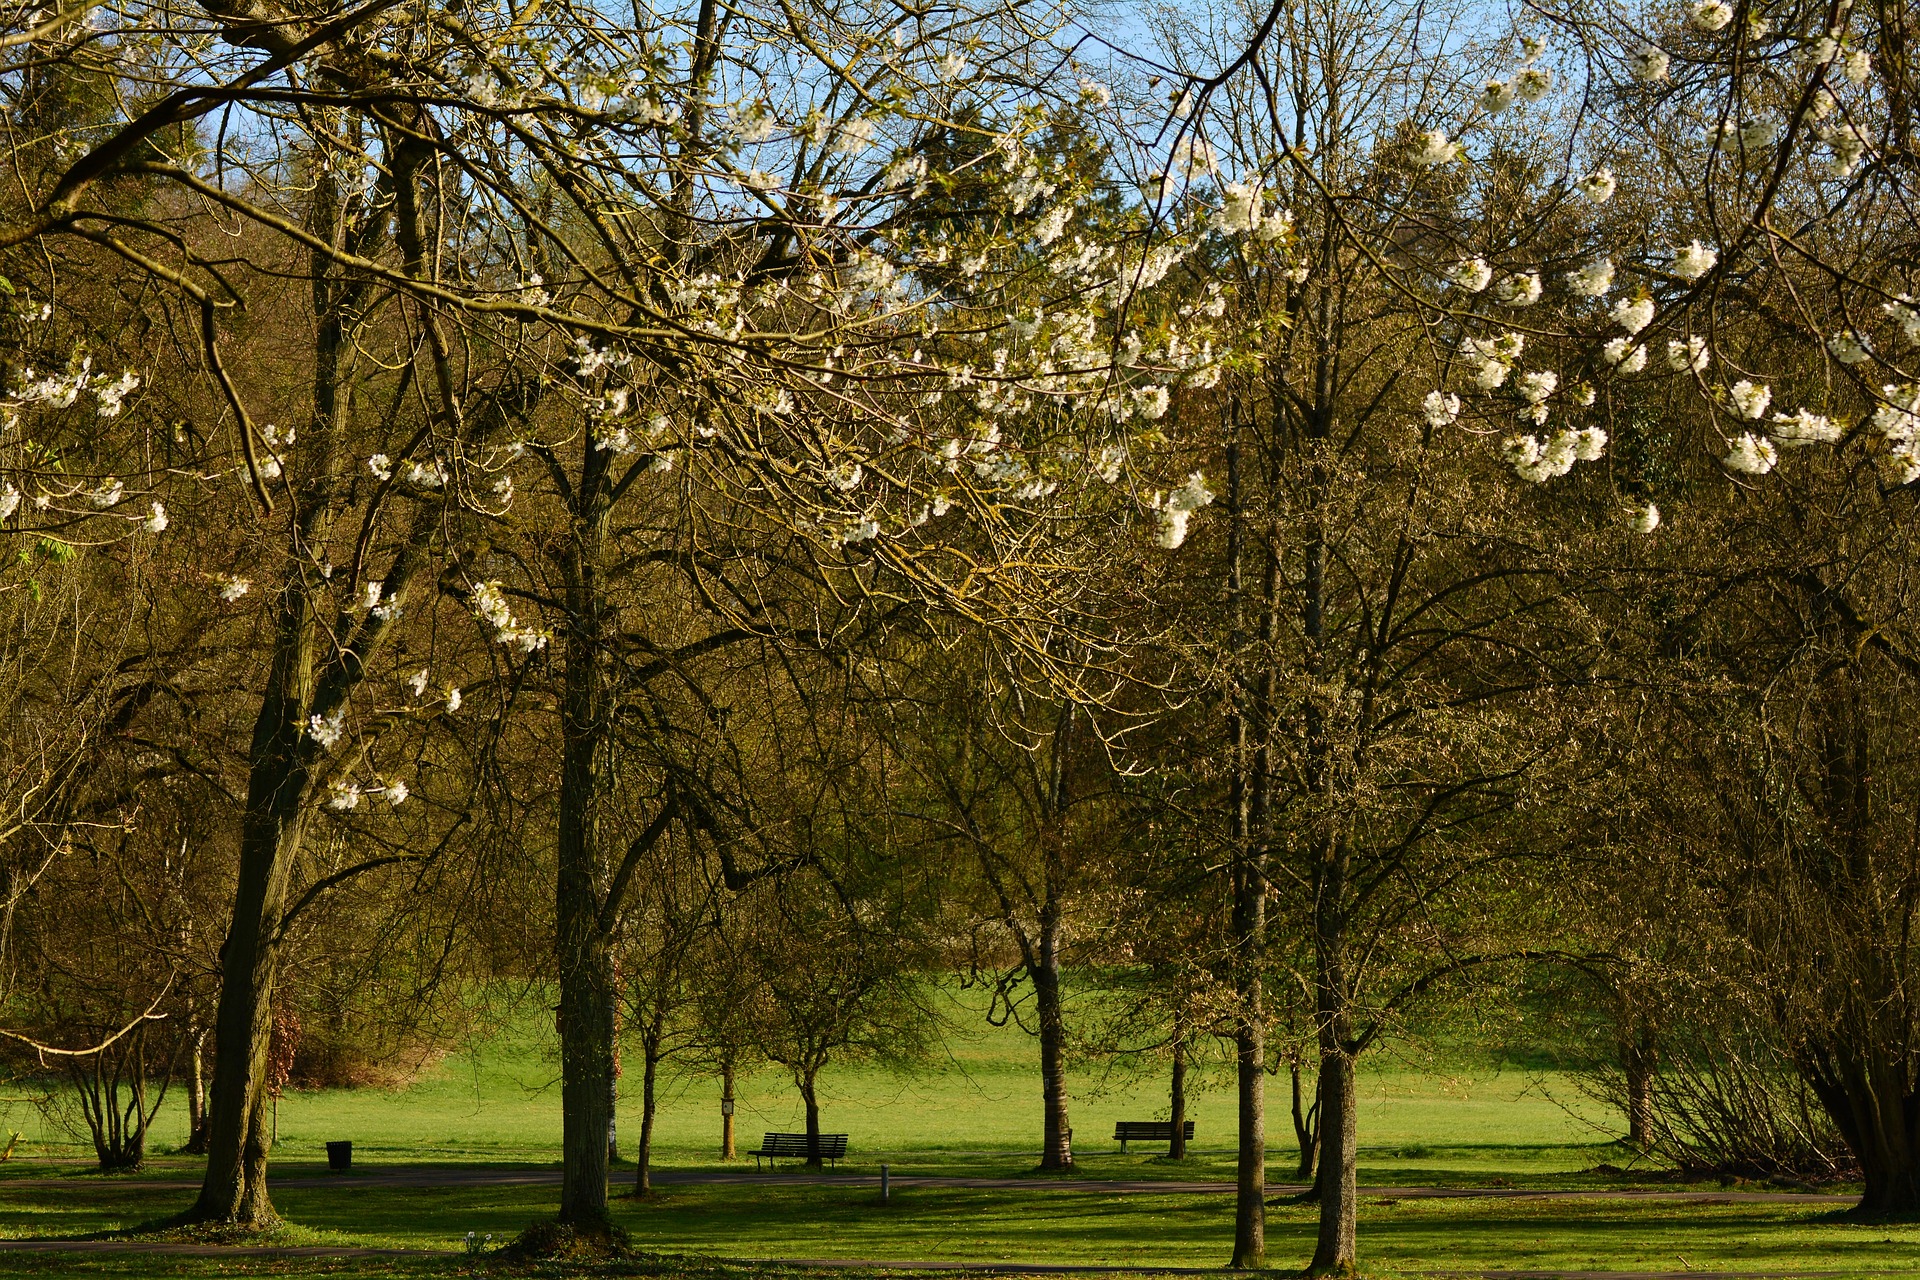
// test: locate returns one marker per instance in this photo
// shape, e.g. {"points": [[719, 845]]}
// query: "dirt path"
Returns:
{"points": [[455, 1176]]}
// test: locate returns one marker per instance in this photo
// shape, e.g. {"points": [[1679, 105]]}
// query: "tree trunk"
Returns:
{"points": [[813, 1121], [1637, 1059], [1177, 1142], [1056, 1133], [583, 948], [1875, 1104], [234, 1188], [1336, 1252], [196, 1093], [643, 1178], [727, 1151], [1306, 1128]]}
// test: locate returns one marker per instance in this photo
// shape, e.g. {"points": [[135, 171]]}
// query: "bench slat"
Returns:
{"points": [[793, 1146]]}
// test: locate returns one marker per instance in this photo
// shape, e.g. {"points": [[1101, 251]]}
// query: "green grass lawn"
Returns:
{"points": [[975, 1110], [825, 1222], [1465, 1122]]}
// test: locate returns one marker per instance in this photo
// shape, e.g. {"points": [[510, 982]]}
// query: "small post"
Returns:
{"points": [[885, 1190]]}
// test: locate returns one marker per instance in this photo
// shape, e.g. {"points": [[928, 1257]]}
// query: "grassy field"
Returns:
{"points": [[975, 1110], [1466, 1123]]}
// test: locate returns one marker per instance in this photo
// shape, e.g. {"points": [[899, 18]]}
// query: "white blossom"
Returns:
{"points": [[1495, 96], [1519, 290], [109, 493], [1689, 355], [1536, 385], [1592, 280], [381, 466], [394, 793], [342, 795], [1633, 314], [417, 682], [1532, 83], [952, 67], [426, 475], [1471, 274], [1540, 462], [1178, 509], [1597, 186], [489, 604], [1648, 65], [1751, 455], [1490, 376], [1239, 208], [1849, 348], [231, 589], [1589, 444], [854, 137], [1150, 402], [453, 698], [1624, 355], [1441, 408], [1709, 15], [1804, 427], [1902, 311], [110, 394], [1750, 400], [1432, 147], [1694, 261], [1646, 518], [845, 476], [1857, 66], [156, 521], [9, 499], [370, 593], [327, 730]]}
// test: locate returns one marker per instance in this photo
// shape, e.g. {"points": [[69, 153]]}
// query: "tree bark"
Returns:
{"points": [[808, 1096], [727, 1151], [1875, 1103], [1177, 1104], [1056, 1132], [1306, 1128], [1247, 819], [582, 947], [233, 1190], [1637, 1060], [643, 1177], [1336, 1252], [196, 1093]]}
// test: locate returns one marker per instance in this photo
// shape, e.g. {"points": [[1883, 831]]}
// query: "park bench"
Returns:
{"points": [[793, 1146], [1126, 1131]]}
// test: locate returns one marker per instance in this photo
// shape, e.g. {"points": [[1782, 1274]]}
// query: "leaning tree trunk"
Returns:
{"points": [[808, 1096], [1177, 1103], [233, 1190], [1306, 1128], [643, 1178], [1056, 1132]]}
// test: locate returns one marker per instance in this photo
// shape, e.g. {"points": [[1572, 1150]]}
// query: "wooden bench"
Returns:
{"points": [[1146, 1131], [793, 1146]]}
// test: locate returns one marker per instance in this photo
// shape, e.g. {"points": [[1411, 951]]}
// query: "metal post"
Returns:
{"points": [[885, 1191]]}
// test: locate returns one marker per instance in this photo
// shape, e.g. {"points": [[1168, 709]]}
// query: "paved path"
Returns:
{"points": [[457, 1176]]}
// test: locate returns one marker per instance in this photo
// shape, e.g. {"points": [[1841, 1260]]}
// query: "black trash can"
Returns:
{"points": [[339, 1156]]}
